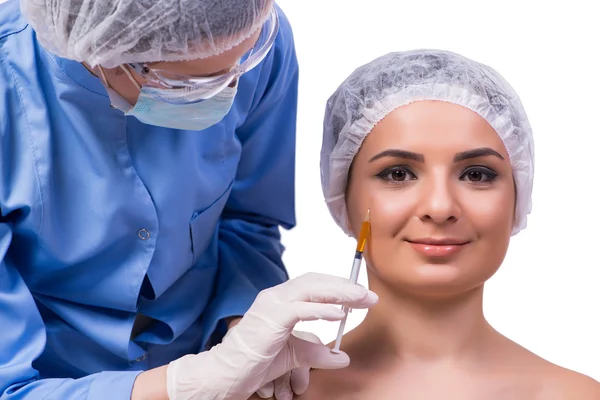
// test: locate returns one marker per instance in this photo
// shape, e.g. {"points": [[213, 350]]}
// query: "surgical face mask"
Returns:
{"points": [[177, 115]]}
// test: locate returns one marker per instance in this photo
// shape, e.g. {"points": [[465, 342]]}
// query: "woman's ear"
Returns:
{"points": [[349, 227], [515, 205]]}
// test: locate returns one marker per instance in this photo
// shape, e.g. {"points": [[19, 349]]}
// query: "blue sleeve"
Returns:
{"points": [[262, 198], [23, 340]]}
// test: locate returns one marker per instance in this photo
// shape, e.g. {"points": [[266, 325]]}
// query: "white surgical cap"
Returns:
{"points": [[374, 90], [115, 32]]}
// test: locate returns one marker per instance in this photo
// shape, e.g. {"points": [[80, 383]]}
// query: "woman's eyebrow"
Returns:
{"points": [[464, 155], [481, 152], [399, 154]]}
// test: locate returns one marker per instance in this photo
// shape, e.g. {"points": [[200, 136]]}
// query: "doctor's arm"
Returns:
{"points": [[262, 197]]}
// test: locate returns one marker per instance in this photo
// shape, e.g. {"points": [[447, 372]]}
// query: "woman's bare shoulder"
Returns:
{"points": [[553, 381], [567, 384], [558, 383]]}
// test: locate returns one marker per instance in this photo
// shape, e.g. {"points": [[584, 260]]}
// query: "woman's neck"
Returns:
{"points": [[412, 329]]}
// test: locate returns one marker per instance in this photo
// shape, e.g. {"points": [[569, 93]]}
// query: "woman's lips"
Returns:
{"points": [[437, 248]]}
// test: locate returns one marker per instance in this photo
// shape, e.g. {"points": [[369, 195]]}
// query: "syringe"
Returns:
{"points": [[360, 247]]}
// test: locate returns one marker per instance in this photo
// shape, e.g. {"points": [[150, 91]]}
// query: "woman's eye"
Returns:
{"points": [[479, 175], [397, 174]]}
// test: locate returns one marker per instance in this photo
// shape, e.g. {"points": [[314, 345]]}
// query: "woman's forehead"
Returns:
{"points": [[433, 125]]}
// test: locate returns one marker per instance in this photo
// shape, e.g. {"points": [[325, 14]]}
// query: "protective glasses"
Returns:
{"points": [[202, 88]]}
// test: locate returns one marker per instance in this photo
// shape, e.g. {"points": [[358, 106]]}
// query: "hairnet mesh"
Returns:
{"points": [[374, 90], [114, 32]]}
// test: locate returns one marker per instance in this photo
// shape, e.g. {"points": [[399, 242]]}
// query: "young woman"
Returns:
{"points": [[440, 150]]}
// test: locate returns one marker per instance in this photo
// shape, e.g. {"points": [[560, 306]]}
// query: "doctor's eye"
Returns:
{"points": [[396, 175]]}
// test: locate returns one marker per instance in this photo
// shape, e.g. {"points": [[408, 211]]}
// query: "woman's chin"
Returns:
{"points": [[434, 280]]}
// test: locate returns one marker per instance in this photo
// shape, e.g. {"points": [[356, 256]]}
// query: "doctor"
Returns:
{"points": [[146, 165]]}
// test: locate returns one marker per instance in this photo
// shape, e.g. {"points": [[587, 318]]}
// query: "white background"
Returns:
{"points": [[545, 296]]}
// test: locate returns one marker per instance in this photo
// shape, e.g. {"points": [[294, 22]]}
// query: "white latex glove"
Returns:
{"points": [[293, 382], [261, 347]]}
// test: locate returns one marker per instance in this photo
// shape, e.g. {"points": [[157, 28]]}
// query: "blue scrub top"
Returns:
{"points": [[103, 217]]}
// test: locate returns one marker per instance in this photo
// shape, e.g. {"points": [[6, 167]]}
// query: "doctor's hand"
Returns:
{"points": [[292, 382], [261, 348]]}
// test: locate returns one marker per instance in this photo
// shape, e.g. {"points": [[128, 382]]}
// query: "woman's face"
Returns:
{"points": [[439, 184]]}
